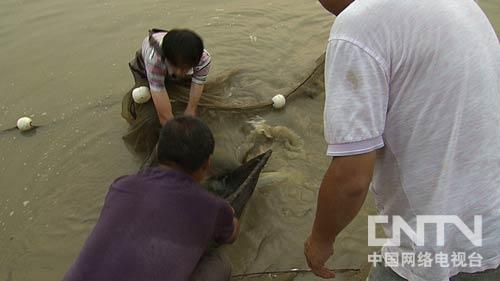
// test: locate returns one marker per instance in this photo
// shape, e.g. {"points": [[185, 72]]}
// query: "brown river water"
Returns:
{"points": [[65, 64]]}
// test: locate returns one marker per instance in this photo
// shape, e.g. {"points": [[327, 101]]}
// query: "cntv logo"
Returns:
{"points": [[418, 235]]}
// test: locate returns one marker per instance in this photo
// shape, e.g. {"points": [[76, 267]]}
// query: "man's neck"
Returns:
{"points": [[336, 6], [175, 167]]}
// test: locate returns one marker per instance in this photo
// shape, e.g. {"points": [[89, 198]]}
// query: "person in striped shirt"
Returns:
{"points": [[172, 56], [166, 60]]}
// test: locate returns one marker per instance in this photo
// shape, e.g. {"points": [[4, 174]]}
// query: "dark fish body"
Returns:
{"points": [[236, 186]]}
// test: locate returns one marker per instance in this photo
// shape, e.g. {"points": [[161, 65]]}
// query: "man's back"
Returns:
{"points": [[155, 225], [434, 90]]}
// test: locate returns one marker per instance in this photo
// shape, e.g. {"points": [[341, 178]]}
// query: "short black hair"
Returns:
{"points": [[182, 47], [185, 141]]}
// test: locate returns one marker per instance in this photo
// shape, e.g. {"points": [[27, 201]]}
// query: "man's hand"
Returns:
{"points": [[236, 225], [317, 253], [194, 98]]}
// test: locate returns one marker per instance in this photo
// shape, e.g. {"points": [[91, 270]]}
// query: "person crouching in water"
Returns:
{"points": [[165, 58], [158, 223]]}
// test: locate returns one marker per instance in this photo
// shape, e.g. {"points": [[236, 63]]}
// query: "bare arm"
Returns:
{"points": [[342, 193], [194, 98], [162, 106], [236, 231]]}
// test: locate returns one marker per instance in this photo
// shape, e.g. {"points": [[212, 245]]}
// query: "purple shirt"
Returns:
{"points": [[154, 226]]}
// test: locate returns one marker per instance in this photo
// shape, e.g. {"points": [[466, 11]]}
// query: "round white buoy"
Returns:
{"points": [[141, 94], [279, 101], [24, 124]]}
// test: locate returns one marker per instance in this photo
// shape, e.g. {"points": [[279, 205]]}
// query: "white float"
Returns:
{"points": [[24, 124], [141, 94], [279, 101]]}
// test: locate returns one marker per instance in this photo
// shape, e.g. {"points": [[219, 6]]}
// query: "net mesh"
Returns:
{"points": [[144, 128]]}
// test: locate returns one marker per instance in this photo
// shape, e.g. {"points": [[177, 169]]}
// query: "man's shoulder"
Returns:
{"points": [[209, 196], [206, 55], [145, 177], [368, 9], [122, 179], [125, 182], [168, 181], [363, 18], [205, 60], [150, 56]]}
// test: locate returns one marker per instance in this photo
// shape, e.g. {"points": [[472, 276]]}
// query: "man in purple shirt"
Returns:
{"points": [[157, 224]]}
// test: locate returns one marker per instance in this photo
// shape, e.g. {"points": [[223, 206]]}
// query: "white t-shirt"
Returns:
{"points": [[421, 80]]}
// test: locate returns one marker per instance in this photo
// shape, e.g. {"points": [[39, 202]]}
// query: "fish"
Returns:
{"points": [[236, 186]]}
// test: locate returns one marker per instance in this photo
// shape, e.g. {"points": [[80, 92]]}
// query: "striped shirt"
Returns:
{"points": [[157, 70]]}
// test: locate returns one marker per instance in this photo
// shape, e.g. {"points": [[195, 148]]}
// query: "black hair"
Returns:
{"points": [[185, 141], [182, 47]]}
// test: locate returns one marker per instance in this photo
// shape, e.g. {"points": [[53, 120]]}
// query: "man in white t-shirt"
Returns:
{"points": [[413, 107]]}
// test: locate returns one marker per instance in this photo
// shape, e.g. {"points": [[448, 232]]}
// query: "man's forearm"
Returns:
{"points": [[236, 231], [194, 97], [162, 105], [164, 117], [340, 199]]}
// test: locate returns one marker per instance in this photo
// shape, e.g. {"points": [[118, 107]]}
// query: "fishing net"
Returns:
{"points": [[143, 132], [235, 186]]}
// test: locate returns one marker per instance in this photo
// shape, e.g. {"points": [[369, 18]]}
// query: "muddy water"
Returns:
{"points": [[65, 64]]}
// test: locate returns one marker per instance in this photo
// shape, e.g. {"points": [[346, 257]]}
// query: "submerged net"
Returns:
{"points": [[214, 91], [143, 132], [236, 186]]}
